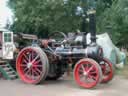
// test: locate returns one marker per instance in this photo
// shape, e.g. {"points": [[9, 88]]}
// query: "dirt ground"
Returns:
{"points": [[64, 87]]}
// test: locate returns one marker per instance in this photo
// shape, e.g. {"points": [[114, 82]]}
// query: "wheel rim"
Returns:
{"points": [[30, 66], [86, 74], [107, 70]]}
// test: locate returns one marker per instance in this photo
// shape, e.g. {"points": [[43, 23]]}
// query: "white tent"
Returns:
{"points": [[110, 50]]}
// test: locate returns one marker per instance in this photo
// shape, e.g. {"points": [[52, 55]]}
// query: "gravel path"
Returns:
{"points": [[63, 87]]}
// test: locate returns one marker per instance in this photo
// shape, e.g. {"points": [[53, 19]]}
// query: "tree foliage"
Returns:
{"points": [[43, 16], [115, 20]]}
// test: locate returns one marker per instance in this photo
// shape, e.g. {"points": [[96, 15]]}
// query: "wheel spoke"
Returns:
{"points": [[30, 57], [38, 70], [93, 72], [39, 66], [92, 77], [27, 73], [25, 57], [81, 70], [32, 74], [25, 61], [87, 67], [23, 65], [90, 69], [83, 79], [35, 58], [107, 72], [108, 68], [25, 69], [83, 67], [36, 73], [36, 62]]}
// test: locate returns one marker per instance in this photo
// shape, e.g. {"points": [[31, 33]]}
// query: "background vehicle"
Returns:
{"points": [[10, 46]]}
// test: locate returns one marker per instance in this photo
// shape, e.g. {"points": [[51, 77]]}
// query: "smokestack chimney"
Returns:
{"points": [[92, 25], [84, 30]]}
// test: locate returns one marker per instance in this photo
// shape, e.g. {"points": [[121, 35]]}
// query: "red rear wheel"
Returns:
{"points": [[87, 73], [32, 65], [107, 70]]}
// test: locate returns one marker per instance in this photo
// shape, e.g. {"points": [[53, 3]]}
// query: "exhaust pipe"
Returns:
{"points": [[84, 30], [92, 26]]}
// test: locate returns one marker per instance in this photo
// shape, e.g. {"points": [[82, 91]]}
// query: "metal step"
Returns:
{"points": [[1, 61], [3, 66], [11, 72], [7, 71], [13, 76]]}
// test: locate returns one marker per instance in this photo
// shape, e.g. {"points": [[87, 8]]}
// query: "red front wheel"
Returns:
{"points": [[87, 73], [107, 70]]}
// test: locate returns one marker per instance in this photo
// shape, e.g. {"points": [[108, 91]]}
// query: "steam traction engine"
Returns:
{"points": [[49, 59]]}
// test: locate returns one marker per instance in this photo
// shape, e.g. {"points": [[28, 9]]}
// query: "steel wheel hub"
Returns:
{"points": [[85, 73], [29, 65]]}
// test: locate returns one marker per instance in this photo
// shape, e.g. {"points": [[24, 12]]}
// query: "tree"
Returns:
{"points": [[116, 18], [42, 16]]}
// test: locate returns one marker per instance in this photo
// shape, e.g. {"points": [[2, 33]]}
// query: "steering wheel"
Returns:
{"points": [[58, 37]]}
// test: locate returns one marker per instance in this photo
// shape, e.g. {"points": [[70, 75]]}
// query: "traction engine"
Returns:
{"points": [[50, 59]]}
